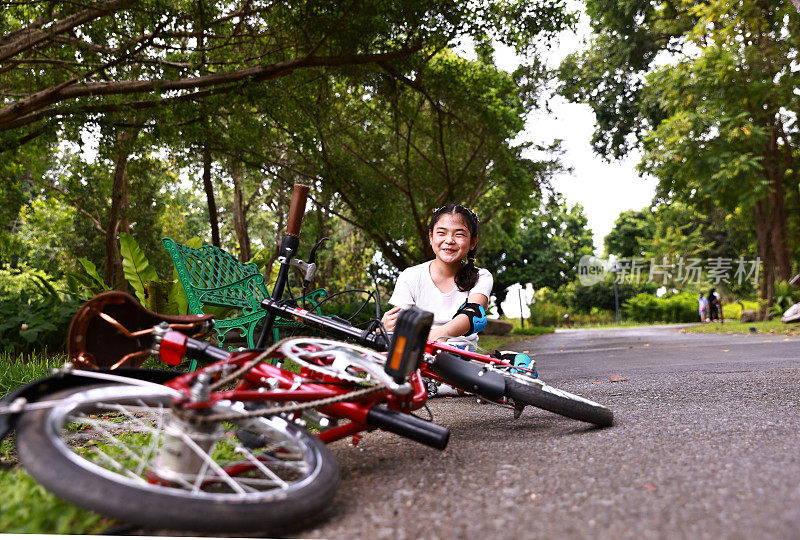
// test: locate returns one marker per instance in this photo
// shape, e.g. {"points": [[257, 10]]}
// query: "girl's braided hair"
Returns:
{"points": [[467, 276]]}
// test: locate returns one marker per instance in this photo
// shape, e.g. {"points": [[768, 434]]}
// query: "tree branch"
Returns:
{"points": [[32, 36], [68, 90]]}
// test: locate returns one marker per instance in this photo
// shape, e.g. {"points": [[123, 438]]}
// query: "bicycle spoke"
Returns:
{"points": [[213, 464], [116, 465], [260, 466], [110, 437]]}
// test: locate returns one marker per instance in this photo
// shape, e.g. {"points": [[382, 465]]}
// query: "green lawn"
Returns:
{"points": [[762, 327], [30, 508], [491, 343], [26, 506]]}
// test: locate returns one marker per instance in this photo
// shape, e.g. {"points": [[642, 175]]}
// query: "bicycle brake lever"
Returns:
{"points": [[312, 257], [311, 269]]}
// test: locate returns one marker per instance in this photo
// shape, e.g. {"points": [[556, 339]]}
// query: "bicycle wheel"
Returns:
{"points": [[121, 450], [526, 391]]}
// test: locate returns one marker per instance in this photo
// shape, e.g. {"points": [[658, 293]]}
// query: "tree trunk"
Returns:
{"points": [[208, 187], [240, 216], [780, 244], [112, 268], [763, 217]]}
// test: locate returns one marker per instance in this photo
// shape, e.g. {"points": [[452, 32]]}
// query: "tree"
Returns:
{"points": [[544, 251], [631, 233], [716, 124], [257, 95], [63, 60], [387, 152]]}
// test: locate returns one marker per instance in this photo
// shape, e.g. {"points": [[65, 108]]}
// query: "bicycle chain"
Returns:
{"points": [[297, 407]]}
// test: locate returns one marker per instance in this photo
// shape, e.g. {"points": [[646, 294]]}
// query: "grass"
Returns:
{"points": [[762, 327], [27, 507], [622, 324], [30, 508], [16, 371]]}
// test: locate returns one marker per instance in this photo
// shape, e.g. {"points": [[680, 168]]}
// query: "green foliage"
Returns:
{"points": [[546, 313], [632, 232], [22, 278], [28, 508], [732, 310], [582, 299], [35, 323], [138, 271], [543, 251], [94, 283], [44, 231], [715, 120], [679, 308], [786, 295]]}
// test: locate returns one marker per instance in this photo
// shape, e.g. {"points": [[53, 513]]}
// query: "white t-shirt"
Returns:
{"points": [[415, 287]]}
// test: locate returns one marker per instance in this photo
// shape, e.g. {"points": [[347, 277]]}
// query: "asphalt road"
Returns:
{"points": [[705, 445]]}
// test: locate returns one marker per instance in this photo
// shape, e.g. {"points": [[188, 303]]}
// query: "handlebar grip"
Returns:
{"points": [[296, 210]]}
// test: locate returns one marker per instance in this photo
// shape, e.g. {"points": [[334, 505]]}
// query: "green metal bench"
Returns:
{"points": [[213, 277]]}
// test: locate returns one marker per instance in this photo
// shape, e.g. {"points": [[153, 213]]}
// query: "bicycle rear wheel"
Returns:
{"points": [[525, 391], [121, 450]]}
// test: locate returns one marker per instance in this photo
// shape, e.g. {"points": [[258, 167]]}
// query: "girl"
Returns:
{"points": [[444, 284]]}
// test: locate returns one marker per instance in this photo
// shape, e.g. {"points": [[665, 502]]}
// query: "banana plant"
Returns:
{"points": [[137, 269], [142, 278]]}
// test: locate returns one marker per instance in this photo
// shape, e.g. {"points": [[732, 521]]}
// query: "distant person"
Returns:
{"points": [[712, 308], [702, 307], [714, 305]]}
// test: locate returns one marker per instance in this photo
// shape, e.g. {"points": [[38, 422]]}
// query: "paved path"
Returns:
{"points": [[705, 445]]}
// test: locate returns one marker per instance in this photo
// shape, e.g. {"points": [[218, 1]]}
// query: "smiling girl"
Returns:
{"points": [[453, 289]]}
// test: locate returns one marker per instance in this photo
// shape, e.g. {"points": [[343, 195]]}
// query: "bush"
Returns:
{"points": [[601, 295], [679, 308], [595, 316], [733, 310], [546, 313], [36, 321]]}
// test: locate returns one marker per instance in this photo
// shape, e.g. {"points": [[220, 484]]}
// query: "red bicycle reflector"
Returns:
{"points": [[173, 348], [397, 355], [408, 343]]}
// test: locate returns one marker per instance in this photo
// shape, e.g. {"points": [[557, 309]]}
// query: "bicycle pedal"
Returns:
{"points": [[251, 439]]}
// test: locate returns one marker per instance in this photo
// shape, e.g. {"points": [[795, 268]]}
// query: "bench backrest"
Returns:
{"points": [[211, 275]]}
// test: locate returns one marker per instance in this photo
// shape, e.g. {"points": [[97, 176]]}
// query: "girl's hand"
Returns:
{"points": [[389, 319]]}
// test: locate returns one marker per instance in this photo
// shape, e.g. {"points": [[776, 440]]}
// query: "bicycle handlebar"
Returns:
{"points": [[338, 328], [296, 210]]}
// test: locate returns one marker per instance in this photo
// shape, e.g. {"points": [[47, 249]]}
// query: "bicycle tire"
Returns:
{"points": [[66, 457], [558, 401]]}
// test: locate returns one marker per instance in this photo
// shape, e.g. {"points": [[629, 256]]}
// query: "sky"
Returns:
{"points": [[604, 189]]}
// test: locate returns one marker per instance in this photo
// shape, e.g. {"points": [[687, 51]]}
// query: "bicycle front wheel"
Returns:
{"points": [[122, 451], [536, 393]]}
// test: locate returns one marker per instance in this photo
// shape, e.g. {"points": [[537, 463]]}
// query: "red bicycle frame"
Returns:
{"points": [[270, 383]]}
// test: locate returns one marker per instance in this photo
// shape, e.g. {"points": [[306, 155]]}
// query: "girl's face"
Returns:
{"points": [[450, 239]]}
